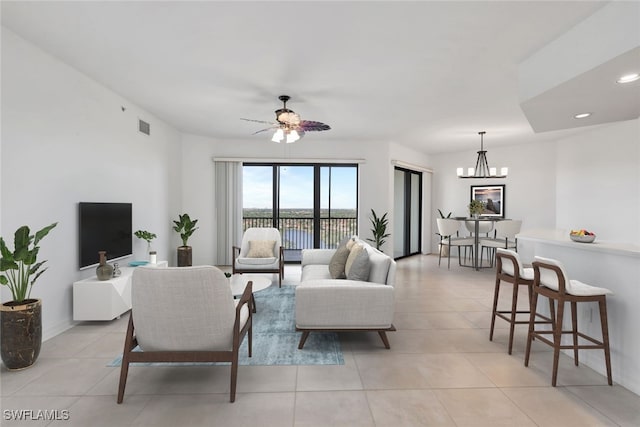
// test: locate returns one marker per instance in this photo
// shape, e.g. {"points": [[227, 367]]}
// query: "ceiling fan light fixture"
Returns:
{"points": [[292, 136], [278, 136]]}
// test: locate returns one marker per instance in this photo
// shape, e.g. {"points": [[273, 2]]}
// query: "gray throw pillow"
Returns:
{"points": [[360, 267], [337, 263]]}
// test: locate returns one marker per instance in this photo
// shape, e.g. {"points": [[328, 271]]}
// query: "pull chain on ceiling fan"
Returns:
{"points": [[289, 127]]}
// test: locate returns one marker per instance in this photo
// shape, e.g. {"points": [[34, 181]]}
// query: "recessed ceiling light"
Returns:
{"points": [[582, 115], [629, 78]]}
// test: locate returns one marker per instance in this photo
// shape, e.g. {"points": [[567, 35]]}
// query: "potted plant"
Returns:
{"points": [[379, 229], [148, 237], [21, 318], [476, 207], [185, 226]]}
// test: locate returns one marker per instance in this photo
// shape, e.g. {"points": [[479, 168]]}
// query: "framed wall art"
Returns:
{"points": [[492, 197]]}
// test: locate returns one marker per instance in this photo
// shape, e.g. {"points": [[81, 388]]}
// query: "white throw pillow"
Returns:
{"points": [[261, 249]]}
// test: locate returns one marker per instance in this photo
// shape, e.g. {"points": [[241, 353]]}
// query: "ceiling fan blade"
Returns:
{"points": [[259, 121], [310, 125], [265, 130]]}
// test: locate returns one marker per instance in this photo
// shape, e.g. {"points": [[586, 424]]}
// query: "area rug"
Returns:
{"points": [[275, 340]]}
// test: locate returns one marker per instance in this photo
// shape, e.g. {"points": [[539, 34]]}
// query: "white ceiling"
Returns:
{"points": [[423, 74]]}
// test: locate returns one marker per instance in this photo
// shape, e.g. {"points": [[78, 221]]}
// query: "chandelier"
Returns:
{"points": [[482, 169]]}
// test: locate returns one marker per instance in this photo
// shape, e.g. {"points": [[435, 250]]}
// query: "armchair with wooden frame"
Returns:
{"points": [[261, 251], [185, 314]]}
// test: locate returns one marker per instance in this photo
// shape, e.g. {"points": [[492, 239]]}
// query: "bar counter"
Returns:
{"points": [[611, 265]]}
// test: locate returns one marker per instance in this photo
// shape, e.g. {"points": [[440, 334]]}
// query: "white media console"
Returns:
{"points": [[95, 299]]}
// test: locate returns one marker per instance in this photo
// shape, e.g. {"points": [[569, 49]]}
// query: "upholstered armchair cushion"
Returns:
{"points": [[182, 308]]}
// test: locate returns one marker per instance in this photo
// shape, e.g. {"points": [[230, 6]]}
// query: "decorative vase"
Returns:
{"points": [[21, 333], [184, 256], [104, 271], [153, 257]]}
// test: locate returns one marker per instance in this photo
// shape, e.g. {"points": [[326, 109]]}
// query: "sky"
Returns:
{"points": [[296, 187]]}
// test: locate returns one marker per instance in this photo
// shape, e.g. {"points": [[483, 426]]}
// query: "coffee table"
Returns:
{"points": [[239, 281]]}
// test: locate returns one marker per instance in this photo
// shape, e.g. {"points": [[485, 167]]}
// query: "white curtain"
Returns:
{"points": [[228, 209]]}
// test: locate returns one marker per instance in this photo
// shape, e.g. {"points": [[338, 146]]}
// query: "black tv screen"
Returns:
{"points": [[104, 227]]}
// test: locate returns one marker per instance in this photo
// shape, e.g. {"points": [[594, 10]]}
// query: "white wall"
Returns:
{"points": [[65, 139], [598, 182]]}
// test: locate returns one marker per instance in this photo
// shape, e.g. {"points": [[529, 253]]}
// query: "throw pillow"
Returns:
{"points": [[360, 267], [351, 242], [355, 250], [338, 263], [261, 248]]}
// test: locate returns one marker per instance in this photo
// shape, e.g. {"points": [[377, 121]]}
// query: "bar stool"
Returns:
{"points": [[509, 269], [550, 280]]}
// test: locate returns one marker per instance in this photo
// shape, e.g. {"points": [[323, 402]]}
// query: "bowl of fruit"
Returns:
{"points": [[582, 236]]}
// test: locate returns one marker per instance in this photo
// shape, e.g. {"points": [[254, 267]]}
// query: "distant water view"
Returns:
{"points": [[296, 225]]}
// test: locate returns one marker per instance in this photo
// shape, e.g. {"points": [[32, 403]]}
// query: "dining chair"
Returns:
{"points": [[448, 230], [185, 314], [505, 238]]}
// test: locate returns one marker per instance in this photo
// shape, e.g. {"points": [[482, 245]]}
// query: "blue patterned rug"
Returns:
{"points": [[275, 340]]}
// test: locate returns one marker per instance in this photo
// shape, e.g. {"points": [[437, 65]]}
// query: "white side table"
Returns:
{"points": [[95, 299], [239, 281]]}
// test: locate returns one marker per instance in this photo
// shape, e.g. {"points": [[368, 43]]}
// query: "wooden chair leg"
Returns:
{"points": [[514, 305], [385, 340], [303, 339], [496, 292], [532, 322], [124, 371], [234, 376], [605, 337], [557, 338], [574, 330]]}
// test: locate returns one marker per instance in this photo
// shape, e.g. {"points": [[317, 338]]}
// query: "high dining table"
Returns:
{"points": [[476, 237]]}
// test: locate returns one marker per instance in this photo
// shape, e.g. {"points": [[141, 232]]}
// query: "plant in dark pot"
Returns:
{"points": [[21, 318], [379, 229], [185, 226]]}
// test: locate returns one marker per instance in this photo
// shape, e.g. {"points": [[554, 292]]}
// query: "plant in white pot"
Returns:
{"points": [[21, 318], [185, 226], [148, 237]]}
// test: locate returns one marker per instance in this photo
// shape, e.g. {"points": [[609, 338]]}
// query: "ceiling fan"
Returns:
{"points": [[288, 126]]}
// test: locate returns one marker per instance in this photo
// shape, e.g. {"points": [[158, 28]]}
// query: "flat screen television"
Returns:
{"points": [[104, 227]]}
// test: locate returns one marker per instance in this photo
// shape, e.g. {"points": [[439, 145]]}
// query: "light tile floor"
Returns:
{"points": [[441, 370]]}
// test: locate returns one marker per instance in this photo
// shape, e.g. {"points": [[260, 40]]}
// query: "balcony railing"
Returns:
{"points": [[297, 232]]}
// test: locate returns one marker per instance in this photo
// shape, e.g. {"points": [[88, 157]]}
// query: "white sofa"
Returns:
{"points": [[327, 304]]}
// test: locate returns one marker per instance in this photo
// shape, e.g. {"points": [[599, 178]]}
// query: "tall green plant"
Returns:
{"points": [[185, 226], [379, 229], [20, 269]]}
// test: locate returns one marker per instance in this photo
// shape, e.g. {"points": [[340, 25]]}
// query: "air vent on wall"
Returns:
{"points": [[144, 127]]}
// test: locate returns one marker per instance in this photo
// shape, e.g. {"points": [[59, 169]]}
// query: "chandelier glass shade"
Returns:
{"points": [[482, 169]]}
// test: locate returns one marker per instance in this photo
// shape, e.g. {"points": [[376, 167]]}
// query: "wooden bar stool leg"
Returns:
{"points": [[495, 308], [514, 304], [532, 322], [557, 339], [574, 330], [605, 337]]}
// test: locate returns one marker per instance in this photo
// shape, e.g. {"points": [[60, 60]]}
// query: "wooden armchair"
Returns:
{"points": [[261, 251], [185, 314]]}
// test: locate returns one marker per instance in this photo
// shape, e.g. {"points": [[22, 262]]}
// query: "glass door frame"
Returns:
{"points": [[407, 193]]}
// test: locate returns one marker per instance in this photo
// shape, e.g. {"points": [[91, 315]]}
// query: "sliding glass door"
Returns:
{"points": [[313, 205], [407, 225]]}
